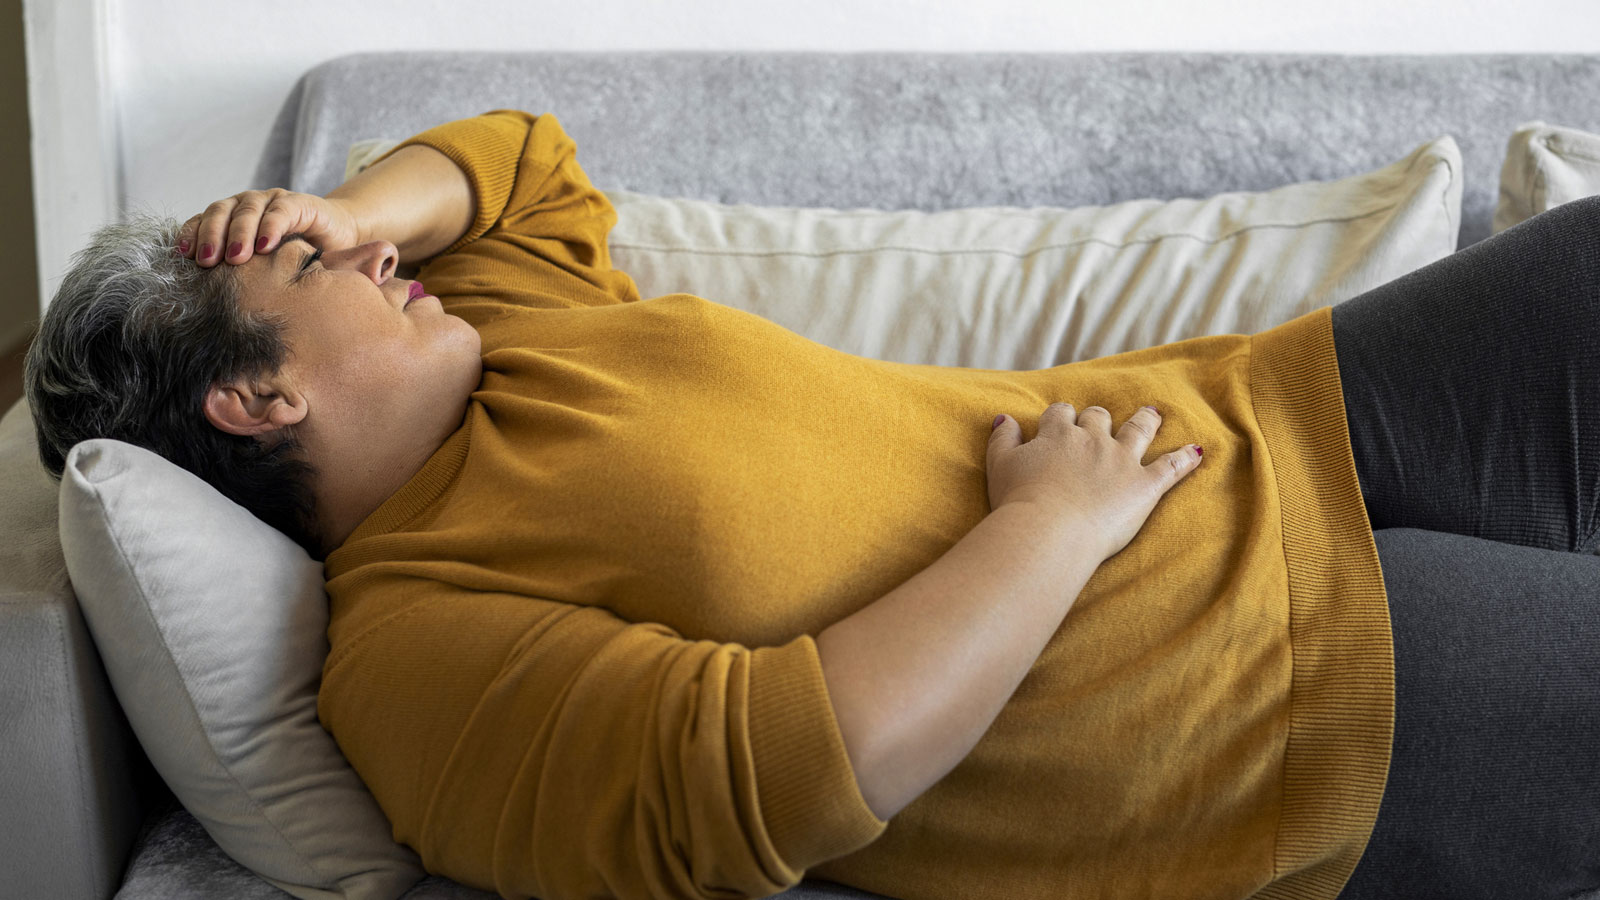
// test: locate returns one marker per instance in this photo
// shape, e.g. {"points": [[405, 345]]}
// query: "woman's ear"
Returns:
{"points": [[253, 406]]}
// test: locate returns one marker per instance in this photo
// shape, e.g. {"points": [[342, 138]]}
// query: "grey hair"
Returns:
{"points": [[128, 348]]}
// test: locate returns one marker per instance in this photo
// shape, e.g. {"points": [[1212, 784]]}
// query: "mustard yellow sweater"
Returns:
{"points": [[573, 657]]}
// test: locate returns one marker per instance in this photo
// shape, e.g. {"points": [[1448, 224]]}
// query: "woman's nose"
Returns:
{"points": [[377, 259]]}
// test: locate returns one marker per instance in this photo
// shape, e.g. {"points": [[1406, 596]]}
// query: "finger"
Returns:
{"points": [[1005, 435], [186, 232], [278, 220], [1097, 415], [212, 229], [243, 223], [1140, 429], [1056, 417], [1171, 468]]}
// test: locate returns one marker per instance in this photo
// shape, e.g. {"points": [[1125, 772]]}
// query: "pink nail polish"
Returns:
{"points": [[235, 248], [183, 246], [261, 243]]}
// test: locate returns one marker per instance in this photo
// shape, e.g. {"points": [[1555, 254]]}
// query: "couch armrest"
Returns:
{"points": [[69, 810]]}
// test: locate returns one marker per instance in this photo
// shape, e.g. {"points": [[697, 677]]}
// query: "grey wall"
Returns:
{"points": [[19, 278]]}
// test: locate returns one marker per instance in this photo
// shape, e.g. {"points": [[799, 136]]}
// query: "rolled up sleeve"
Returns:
{"points": [[536, 210], [542, 749]]}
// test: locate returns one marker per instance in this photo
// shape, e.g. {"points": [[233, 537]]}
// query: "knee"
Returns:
{"points": [[1589, 206], [1581, 216], [1562, 238]]}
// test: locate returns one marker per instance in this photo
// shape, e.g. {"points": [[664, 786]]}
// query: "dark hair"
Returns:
{"points": [[127, 349]]}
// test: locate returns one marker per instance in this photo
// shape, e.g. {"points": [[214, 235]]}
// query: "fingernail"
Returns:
{"points": [[205, 251], [235, 248], [1199, 450], [997, 420], [261, 244], [183, 246], [1154, 410]]}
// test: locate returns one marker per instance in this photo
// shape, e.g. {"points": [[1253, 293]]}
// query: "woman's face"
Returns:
{"points": [[368, 358]]}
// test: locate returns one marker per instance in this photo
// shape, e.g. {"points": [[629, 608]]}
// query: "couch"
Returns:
{"points": [[83, 814]]}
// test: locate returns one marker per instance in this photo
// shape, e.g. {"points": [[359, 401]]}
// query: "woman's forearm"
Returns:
{"points": [[417, 199], [919, 675]]}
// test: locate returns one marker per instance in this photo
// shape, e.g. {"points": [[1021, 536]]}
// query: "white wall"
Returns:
{"points": [[192, 86]]}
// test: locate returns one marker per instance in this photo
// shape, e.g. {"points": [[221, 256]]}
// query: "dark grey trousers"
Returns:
{"points": [[1472, 391]]}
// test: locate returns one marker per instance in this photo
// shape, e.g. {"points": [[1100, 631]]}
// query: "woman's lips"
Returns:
{"points": [[416, 290]]}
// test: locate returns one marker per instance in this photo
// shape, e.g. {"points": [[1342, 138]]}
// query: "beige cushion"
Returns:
{"points": [[1013, 288], [30, 556], [212, 626], [1545, 166]]}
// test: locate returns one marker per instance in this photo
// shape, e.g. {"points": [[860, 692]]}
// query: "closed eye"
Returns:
{"points": [[305, 266]]}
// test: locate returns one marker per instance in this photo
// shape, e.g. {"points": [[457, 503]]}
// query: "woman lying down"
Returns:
{"points": [[653, 597]]}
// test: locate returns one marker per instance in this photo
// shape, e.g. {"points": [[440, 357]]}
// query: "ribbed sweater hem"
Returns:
{"points": [[1341, 720], [810, 800]]}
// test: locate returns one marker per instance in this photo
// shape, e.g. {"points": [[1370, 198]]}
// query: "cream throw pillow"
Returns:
{"points": [[1545, 166], [213, 629], [1014, 288]]}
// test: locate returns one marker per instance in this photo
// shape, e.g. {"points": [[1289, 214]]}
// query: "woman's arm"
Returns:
{"points": [[416, 198], [918, 676]]}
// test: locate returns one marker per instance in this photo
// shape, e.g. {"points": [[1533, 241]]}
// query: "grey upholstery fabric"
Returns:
{"points": [[68, 809], [937, 131]]}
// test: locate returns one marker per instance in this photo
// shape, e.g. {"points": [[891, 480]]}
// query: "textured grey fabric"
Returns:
{"points": [[938, 131], [1470, 387], [174, 859], [68, 809], [1493, 777]]}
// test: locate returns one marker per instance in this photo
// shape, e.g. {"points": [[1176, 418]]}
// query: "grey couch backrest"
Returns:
{"points": [[938, 131]]}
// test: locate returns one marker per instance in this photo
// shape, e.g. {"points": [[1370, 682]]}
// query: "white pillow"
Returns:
{"points": [[1014, 288], [213, 629], [1545, 166]]}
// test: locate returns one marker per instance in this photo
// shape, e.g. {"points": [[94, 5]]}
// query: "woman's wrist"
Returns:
{"points": [[417, 199], [358, 218]]}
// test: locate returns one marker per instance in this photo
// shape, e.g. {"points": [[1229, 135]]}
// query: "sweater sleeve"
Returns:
{"points": [[545, 749], [535, 210]]}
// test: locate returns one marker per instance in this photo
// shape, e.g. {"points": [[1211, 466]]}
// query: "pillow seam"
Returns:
{"points": [[1533, 183], [144, 598], [703, 251], [1453, 222]]}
